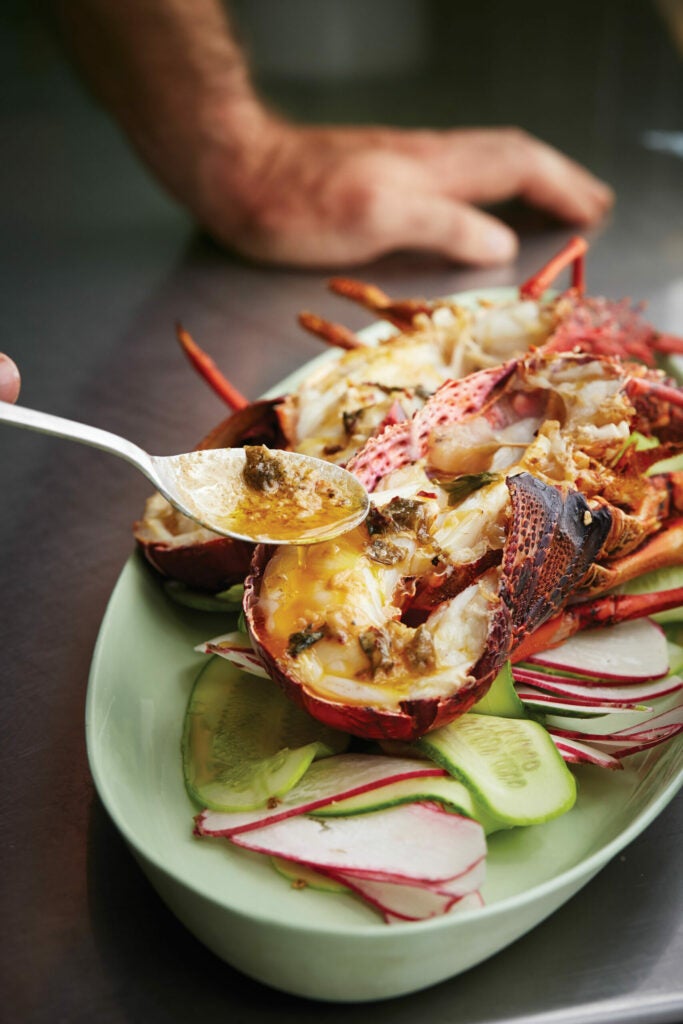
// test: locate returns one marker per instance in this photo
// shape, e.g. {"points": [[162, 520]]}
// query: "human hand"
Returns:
{"points": [[335, 196], [10, 382], [174, 76]]}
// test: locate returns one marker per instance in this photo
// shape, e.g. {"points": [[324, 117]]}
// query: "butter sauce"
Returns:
{"points": [[270, 496]]}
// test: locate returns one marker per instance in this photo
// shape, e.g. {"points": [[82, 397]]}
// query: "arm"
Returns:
{"points": [[175, 79]]}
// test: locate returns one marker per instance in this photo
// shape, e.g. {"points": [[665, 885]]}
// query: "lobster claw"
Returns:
{"points": [[552, 541]]}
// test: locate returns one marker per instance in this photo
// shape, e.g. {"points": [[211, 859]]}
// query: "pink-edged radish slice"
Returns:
{"points": [[649, 732], [634, 693], [672, 716], [625, 746], [473, 901], [571, 705], [412, 843], [637, 744], [332, 778], [416, 902], [576, 752], [236, 648], [626, 652]]}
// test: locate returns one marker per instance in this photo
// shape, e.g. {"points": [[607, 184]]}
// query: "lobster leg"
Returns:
{"points": [[206, 367], [372, 298], [331, 333], [605, 611], [663, 550], [573, 252]]}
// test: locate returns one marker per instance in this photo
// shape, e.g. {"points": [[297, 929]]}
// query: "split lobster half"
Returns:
{"points": [[512, 493], [507, 491]]}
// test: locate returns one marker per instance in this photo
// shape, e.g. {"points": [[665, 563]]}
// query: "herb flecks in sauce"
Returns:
{"points": [[308, 636], [376, 645], [262, 470]]}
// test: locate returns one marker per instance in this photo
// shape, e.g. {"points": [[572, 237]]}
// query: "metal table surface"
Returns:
{"points": [[96, 267]]}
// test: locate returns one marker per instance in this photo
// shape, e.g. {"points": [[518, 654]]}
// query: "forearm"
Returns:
{"points": [[173, 76]]}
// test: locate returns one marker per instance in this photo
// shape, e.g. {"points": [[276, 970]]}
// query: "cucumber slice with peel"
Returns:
{"points": [[511, 766], [244, 743], [302, 877], [501, 700], [448, 792]]}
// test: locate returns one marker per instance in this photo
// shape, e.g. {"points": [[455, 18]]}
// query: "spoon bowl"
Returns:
{"points": [[254, 494]]}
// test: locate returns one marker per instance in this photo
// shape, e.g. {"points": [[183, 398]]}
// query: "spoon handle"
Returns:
{"points": [[46, 423]]}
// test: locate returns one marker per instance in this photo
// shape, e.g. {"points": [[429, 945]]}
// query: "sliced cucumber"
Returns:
{"points": [[446, 791], [501, 700], [244, 742], [511, 766], [303, 877], [229, 600]]}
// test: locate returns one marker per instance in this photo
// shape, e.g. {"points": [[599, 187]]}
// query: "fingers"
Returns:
{"points": [[10, 382], [553, 182], [490, 165], [414, 220]]}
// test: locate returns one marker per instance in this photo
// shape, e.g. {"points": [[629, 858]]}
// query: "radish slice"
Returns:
{"points": [[415, 902], [673, 716], [333, 778], [575, 752], [627, 652], [649, 732], [664, 711], [622, 695], [236, 648], [415, 843], [571, 705], [627, 745], [473, 901], [636, 744]]}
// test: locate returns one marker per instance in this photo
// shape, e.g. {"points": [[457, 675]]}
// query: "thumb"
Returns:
{"points": [[9, 380]]}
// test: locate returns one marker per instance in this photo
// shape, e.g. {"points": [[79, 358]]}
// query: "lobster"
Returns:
{"points": [[512, 493], [551, 503]]}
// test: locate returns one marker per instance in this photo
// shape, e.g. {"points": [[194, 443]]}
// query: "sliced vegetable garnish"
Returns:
{"points": [[229, 600], [335, 778], [625, 652], [236, 648], [511, 766], [415, 902], [443, 790], [575, 751], [502, 699], [550, 703], [244, 743], [631, 695], [388, 846]]}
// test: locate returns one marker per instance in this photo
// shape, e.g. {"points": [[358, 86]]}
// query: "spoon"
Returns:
{"points": [[252, 493]]}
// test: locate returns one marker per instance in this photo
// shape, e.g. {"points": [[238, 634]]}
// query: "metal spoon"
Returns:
{"points": [[308, 501]]}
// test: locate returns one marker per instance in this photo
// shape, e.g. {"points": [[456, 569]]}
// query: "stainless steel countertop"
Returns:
{"points": [[96, 268]]}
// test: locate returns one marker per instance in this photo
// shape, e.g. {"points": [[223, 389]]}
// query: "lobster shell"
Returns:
{"points": [[196, 557], [552, 540]]}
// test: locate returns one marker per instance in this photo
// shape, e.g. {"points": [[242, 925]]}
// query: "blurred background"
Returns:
{"points": [[610, 73]]}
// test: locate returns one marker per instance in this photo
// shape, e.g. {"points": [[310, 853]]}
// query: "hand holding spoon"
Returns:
{"points": [[252, 494]]}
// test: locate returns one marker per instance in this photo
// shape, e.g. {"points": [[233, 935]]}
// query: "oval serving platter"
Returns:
{"points": [[299, 940]]}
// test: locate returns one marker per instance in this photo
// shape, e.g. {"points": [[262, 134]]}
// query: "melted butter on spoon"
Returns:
{"points": [[281, 498], [265, 496]]}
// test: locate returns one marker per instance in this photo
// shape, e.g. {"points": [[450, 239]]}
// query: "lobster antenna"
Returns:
{"points": [[572, 253], [207, 369]]}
